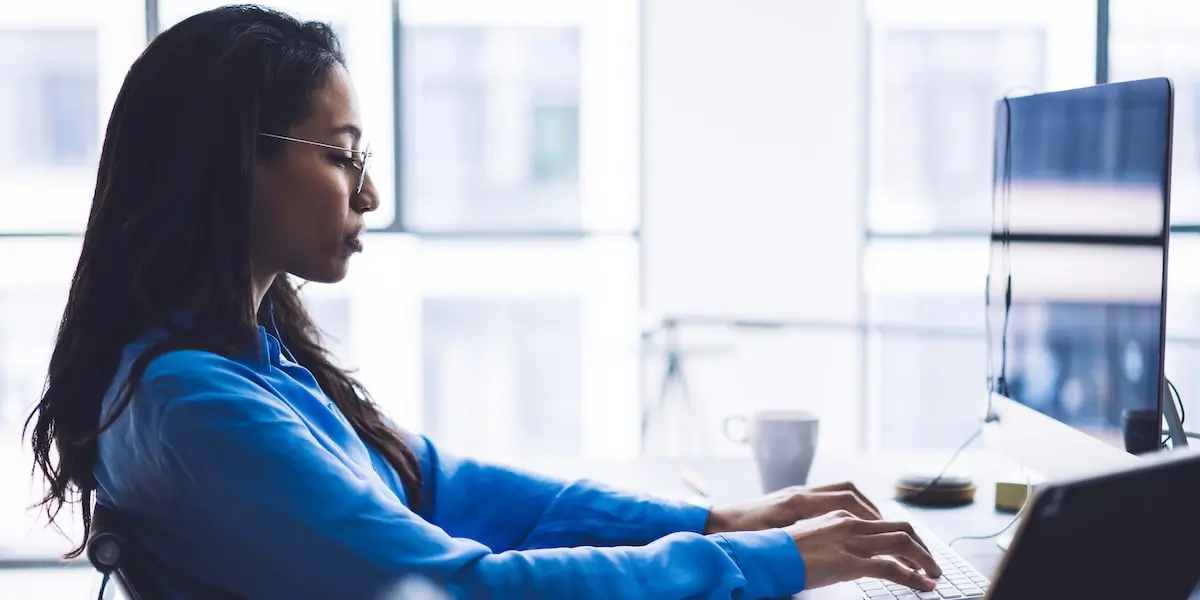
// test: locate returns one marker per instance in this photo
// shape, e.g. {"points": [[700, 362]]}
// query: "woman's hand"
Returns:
{"points": [[839, 547], [785, 507], [838, 532]]}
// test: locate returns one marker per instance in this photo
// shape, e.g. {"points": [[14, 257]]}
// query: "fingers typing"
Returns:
{"points": [[849, 488], [893, 571], [902, 546], [849, 502], [877, 527]]}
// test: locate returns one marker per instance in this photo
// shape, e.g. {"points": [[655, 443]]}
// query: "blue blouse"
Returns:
{"points": [[240, 476]]}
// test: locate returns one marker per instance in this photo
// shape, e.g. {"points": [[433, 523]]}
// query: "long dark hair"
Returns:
{"points": [[170, 228]]}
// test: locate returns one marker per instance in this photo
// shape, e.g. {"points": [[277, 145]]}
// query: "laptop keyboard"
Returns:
{"points": [[959, 580]]}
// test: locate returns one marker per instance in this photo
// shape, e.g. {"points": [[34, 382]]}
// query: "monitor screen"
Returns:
{"points": [[1077, 276]]}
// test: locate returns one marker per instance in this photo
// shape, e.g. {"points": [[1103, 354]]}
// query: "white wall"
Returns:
{"points": [[754, 164]]}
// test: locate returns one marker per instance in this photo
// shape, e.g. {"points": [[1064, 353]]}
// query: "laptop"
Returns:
{"points": [[1132, 533]]}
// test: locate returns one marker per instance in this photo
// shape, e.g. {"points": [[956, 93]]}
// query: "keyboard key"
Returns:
{"points": [[959, 581]]}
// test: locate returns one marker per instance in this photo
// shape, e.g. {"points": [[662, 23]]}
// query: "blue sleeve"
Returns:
{"points": [[273, 512], [528, 511]]}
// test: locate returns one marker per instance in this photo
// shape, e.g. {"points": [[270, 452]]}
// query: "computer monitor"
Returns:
{"points": [[1076, 299]]}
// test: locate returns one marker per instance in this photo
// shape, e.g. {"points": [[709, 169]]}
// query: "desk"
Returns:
{"points": [[734, 479]]}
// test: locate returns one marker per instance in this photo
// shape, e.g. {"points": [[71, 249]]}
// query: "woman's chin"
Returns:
{"points": [[333, 272]]}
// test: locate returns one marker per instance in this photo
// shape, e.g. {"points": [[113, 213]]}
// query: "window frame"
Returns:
{"points": [[603, 176], [1064, 54], [74, 185]]}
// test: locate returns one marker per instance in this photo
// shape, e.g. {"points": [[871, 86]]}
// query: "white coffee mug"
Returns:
{"points": [[784, 444]]}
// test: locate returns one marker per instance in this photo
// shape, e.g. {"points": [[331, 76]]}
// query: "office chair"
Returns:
{"points": [[111, 552]]}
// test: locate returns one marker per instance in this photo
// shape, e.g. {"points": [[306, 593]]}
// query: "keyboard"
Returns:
{"points": [[959, 580]]}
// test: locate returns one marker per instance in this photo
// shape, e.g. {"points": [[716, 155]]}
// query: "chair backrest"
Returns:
{"points": [[111, 551]]}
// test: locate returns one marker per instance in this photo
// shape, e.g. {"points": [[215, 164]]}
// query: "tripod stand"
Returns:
{"points": [[673, 427]]}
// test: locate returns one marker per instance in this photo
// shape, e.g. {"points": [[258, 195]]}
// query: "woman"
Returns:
{"points": [[188, 390]]}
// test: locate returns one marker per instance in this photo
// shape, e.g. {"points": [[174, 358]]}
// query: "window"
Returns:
{"points": [[519, 117], [1183, 321], [29, 316], [493, 141], [928, 355], [62, 64], [938, 68], [331, 312], [1157, 39], [501, 349], [515, 119], [554, 155], [937, 111], [524, 355], [32, 296], [50, 109]]}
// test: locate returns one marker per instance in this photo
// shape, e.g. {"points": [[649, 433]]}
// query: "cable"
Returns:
{"points": [[1015, 519], [1165, 443], [933, 482], [1029, 483], [103, 585], [1179, 398], [1176, 399]]}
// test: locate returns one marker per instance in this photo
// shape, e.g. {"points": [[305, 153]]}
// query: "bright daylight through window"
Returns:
{"points": [[502, 263]]}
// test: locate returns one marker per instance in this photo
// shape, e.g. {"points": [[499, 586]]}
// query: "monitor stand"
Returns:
{"points": [[1174, 429]]}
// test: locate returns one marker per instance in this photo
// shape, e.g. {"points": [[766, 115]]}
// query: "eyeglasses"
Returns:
{"points": [[362, 157]]}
